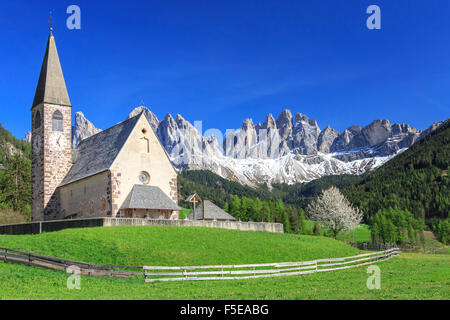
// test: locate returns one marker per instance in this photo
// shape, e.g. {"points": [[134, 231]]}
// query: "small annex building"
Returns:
{"points": [[207, 210]]}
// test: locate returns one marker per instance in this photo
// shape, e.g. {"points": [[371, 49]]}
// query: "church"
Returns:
{"points": [[123, 171]]}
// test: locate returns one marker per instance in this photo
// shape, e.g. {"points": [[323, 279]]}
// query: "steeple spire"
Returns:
{"points": [[51, 87]]}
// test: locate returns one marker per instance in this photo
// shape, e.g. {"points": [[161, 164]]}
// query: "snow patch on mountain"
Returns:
{"points": [[287, 150]]}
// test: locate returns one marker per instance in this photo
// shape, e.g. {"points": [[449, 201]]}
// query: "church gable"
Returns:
{"points": [[142, 161]]}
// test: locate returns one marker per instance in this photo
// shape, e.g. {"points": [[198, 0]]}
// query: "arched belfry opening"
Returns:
{"points": [[57, 121]]}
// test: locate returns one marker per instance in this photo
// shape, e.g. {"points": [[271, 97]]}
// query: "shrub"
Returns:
{"points": [[10, 217], [441, 231]]}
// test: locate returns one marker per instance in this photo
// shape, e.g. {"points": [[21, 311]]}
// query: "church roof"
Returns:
{"points": [[148, 197], [97, 153], [209, 211], [51, 87]]}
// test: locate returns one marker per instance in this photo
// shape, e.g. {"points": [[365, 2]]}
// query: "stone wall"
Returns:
{"points": [[232, 225], [50, 226], [88, 198], [49, 166]]}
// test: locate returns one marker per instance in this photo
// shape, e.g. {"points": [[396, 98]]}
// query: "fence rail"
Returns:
{"points": [[53, 263], [254, 271], [191, 273]]}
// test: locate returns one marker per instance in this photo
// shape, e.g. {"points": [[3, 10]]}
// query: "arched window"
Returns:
{"points": [[37, 120], [57, 121]]}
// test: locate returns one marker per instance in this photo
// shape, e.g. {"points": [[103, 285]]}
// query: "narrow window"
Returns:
{"points": [[103, 204], [91, 208], [37, 120], [57, 121]]}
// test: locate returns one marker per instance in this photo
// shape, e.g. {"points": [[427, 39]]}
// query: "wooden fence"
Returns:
{"points": [[267, 270], [53, 263], [191, 273]]}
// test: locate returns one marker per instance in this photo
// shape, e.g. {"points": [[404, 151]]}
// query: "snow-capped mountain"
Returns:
{"points": [[286, 150]]}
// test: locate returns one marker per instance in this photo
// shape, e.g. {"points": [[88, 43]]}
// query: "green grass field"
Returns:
{"points": [[177, 246], [183, 213], [410, 276]]}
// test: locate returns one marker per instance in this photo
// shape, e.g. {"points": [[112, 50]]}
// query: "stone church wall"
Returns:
{"points": [[49, 166], [88, 198]]}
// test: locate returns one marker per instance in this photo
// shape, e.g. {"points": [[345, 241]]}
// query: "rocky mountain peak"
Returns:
{"points": [[82, 129], [28, 137], [300, 117], [152, 118], [326, 139], [270, 122], [248, 124], [285, 119]]}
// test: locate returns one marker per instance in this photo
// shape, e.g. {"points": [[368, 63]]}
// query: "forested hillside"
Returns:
{"points": [[416, 180], [15, 181], [219, 190], [283, 203], [9, 145]]}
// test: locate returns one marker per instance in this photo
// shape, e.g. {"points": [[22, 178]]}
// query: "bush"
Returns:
{"points": [[441, 231], [10, 217], [396, 226], [316, 230]]}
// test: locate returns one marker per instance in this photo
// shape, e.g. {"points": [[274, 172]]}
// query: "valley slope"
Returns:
{"points": [[416, 180]]}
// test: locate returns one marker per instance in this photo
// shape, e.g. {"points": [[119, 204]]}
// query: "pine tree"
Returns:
{"points": [[16, 184]]}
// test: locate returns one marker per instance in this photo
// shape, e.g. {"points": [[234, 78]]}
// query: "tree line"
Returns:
{"points": [[15, 179], [256, 210]]}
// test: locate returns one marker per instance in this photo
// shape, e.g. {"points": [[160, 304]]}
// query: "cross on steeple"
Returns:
{"points": [[50, 21]]}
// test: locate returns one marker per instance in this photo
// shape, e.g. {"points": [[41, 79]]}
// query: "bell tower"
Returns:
{"points": [[51, 136]]}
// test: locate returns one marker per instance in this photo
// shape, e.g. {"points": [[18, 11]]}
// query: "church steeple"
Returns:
{"points": [[51, 121], [51, 87]]}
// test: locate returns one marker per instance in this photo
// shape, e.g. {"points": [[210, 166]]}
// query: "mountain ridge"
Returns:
{"points": [[289, 149]]}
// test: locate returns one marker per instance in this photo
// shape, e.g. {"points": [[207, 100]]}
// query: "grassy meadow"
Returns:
{"points": [[409, 276]]}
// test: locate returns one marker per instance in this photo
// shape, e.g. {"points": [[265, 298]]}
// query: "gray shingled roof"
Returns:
{"points": [[148, 197], [209, 211], [51, 86], [97, 153]]}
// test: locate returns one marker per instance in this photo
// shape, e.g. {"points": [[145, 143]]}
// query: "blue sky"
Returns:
{"points": [[224, 61]]}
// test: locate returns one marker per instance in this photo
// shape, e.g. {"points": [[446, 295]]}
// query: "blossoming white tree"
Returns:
{"points": [[334, 211]]}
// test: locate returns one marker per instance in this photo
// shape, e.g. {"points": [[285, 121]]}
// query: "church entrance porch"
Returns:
{"points": [[148, 202]]}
